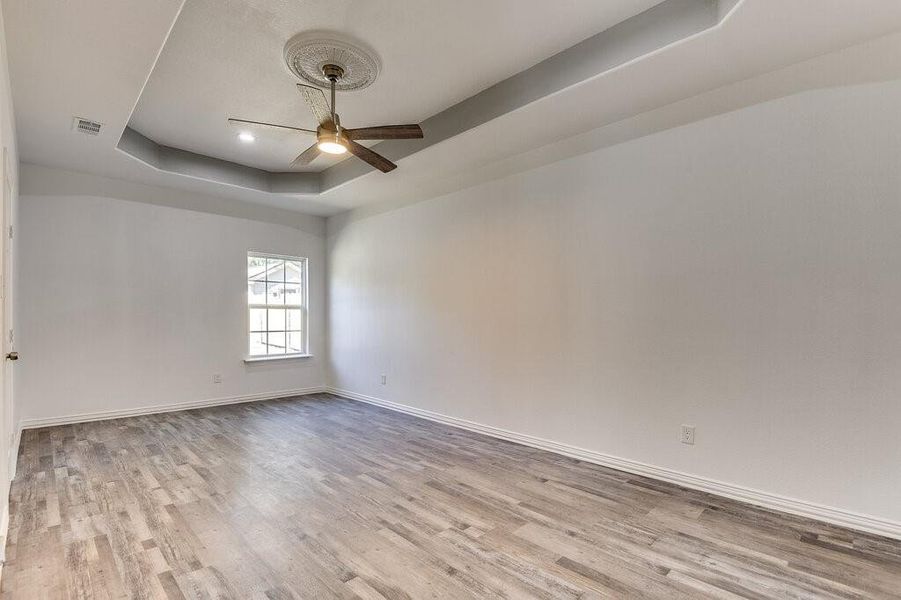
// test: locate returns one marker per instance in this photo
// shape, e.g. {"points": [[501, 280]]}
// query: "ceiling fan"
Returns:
{"points": [[331, 138]]}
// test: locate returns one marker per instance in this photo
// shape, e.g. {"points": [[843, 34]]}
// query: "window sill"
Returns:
{"points": [[256, 359]]}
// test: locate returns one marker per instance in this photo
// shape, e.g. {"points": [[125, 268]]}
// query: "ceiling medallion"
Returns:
{"points": [[307, 53]]}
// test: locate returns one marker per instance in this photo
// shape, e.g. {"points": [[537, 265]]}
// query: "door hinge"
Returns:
{"points": [[10, 232]]}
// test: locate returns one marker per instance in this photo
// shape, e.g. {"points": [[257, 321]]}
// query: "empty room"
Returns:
{"points": [[470, 299]]}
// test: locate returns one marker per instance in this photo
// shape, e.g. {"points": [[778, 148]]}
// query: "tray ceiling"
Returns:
{"points": [[680, 61], [225, 58]]}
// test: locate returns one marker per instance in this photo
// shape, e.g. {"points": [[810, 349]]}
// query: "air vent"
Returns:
{"points": [[86, 126]]}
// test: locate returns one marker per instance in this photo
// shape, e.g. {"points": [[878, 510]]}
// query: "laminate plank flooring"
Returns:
{"points": [[322, 497]]}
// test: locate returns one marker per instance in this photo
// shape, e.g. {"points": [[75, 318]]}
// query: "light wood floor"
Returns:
{"points": [[320, 497]]}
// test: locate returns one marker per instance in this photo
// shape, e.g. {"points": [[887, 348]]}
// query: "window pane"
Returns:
{"points": [[256, 267], [276, 293], [257, 319], [257, 344], [294, 322], [295, 342], [276, 319], [291, 293], [293, 271], [256, 292], [277, 343], [275, 270]]}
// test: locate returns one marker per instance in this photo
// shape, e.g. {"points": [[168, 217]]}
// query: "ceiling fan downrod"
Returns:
{"points": [[333, 73]]}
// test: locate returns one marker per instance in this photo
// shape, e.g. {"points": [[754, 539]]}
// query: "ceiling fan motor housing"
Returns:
{"points": [[332, 72]]}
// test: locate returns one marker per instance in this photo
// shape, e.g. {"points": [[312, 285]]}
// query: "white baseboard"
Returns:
{"points": [[835, 516], [104, 415]]}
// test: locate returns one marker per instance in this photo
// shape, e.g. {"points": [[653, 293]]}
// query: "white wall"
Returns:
{"points": [[125, 304], [741, 274]]}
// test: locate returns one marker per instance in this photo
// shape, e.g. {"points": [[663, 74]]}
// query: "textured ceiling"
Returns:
{"points": [[225, 58]]}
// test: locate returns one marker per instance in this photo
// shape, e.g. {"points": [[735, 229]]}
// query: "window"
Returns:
{"points": [[276, 305]]}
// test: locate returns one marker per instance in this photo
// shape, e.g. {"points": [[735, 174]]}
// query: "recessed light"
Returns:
{"points": [[246, 137]]}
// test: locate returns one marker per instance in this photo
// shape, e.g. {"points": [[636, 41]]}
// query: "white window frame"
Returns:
{"points": [[304, 309]]}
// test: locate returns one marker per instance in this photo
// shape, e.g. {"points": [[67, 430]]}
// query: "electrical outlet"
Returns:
{"points": [[384, 379], [688, 434], [217, 378]]}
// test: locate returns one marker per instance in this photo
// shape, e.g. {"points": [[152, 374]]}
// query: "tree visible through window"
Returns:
{"points": [[277, 306]]}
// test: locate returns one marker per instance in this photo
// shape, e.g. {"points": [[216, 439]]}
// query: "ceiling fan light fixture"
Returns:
{"points": [[332, 147], [332, 144]]}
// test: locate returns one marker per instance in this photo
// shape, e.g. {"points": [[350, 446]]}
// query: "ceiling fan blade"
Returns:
{"points": [[262, 125], [315, 99], [376, 160], [385, 132], [307, 156]]}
